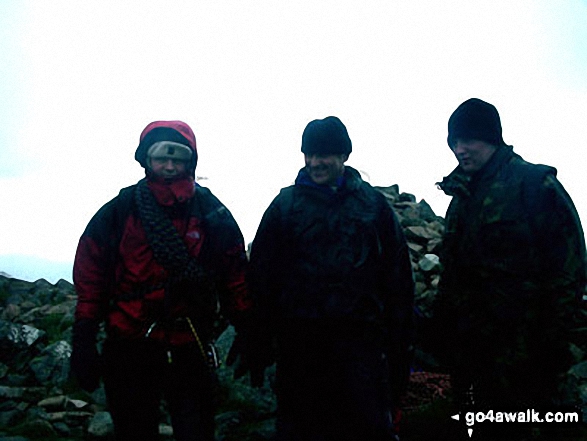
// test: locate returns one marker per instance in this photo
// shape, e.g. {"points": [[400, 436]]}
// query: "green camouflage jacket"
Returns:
{"points": [[513, 263]]}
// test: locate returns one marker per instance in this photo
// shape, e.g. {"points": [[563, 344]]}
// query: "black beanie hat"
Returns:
{"points": [[475, 119], [326, 136]]}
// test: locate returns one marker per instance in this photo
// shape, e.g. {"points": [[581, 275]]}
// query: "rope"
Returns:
{"points": [[169, 249]]}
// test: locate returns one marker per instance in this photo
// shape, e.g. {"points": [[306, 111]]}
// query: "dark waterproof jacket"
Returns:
{"points": [[118, 280], [514, 268], [337, 255]]}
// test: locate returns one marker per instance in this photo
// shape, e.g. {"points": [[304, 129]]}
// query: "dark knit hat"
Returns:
{"points": [[326, 136], [475, 119], [175, 131]]}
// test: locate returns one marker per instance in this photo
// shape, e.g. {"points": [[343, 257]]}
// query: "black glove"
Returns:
{"points": [[399, 373], [85, 362], [254, 355]]}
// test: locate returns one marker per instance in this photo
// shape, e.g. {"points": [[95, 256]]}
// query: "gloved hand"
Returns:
{"points": [[85, 363], [399, 372], [251, 355]]}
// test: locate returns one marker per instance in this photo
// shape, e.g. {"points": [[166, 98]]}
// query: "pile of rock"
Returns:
{"points": [[423, 230], [35, 328], [37, 399]]}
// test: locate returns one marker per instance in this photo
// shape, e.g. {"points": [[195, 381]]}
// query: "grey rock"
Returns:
{"points": [[53, 403], [62, 429], [39, 428], [11, 312], [419, 234], [407, 197], [9, 418], [426, 212], [20, 336], [52, 365], [579, 370], [430, 262], [165, 430], [101, 425], [11, 392]]}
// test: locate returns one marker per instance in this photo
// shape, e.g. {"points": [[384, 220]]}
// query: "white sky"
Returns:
{"points": [[80, 80]]}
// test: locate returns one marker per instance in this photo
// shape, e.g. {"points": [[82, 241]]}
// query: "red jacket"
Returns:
{"points": [[118, 280]]}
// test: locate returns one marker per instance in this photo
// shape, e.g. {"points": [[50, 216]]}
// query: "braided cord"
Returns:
{"points": [[168, 247]]}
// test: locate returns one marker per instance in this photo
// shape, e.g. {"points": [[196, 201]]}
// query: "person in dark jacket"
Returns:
{"points": [[514, 270], [158, 264], [331, 278]]}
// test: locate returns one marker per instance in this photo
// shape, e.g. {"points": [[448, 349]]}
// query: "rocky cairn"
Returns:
{"points": [[38, 401]]}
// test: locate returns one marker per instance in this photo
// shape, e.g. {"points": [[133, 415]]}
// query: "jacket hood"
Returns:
{"points": [[176, 131]]}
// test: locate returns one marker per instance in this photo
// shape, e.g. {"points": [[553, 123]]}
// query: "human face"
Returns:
{"points": [[168, 168], [473, 154], [325, 169]]}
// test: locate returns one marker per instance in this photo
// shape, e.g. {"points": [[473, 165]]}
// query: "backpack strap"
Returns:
{"points": [[208, 208], [122, 209], [286, 206]]}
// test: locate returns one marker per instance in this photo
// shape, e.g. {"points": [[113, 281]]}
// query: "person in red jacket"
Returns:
{"points": [[159, 264]]}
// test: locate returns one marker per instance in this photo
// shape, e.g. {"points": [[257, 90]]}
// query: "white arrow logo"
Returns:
{"points": [[456, 417]]}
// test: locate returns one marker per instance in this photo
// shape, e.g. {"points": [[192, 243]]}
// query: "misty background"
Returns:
{"points": [[80, 81]]}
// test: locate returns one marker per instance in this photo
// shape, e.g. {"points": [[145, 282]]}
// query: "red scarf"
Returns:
{"points": [[169, 192]]}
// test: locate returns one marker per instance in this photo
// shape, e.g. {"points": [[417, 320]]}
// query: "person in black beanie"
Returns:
{"points": [[331, 278], [513, 276]]}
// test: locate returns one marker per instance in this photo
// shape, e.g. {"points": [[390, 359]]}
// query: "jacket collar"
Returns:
{"points": [[349, 181], [458, 183], [171, 193]]}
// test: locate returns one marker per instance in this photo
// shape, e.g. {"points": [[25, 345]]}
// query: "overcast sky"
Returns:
{"points": [[80, 80]]}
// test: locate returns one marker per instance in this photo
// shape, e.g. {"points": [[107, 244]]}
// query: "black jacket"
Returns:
{"points": [[339, 255]]}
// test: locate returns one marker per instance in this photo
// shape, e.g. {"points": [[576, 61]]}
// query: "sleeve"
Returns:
{"points": [[93, 268], [236, 298], [266, 265], [399, 286], [229, 261], [562, 250], [253, 342]]}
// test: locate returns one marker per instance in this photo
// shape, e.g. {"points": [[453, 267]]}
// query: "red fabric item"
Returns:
{"points": [[424, 388], [396, 418], [169, 193], [99, 287], [179, 126], [176, 131]]}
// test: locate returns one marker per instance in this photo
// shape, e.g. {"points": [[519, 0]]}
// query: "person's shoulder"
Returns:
{"points": [[205, 193], [284, 200], [125, 195], [368, 191], [367, 187], [123, 198], [286, 192], [536, 172], [113, 213], [537, 180], [209, 206]]}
